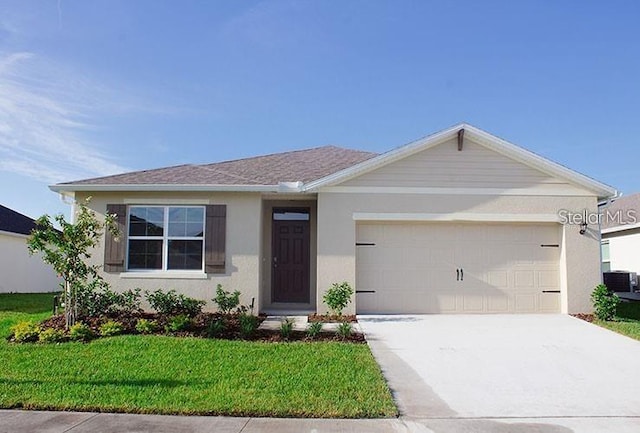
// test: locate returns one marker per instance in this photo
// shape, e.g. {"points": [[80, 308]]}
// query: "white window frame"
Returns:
{"points": [[602, 248], [165, 238]]}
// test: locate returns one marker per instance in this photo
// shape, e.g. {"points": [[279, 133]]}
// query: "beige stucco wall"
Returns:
{"points": [[22, 273], [243, 243], [580, 254], [624, 250]]}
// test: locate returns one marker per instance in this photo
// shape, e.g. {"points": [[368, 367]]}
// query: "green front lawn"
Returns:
{"points": [[158, 374], [627, 320]]}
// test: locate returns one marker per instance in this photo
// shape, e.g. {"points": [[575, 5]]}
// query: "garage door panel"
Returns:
{"points": [[549, 302], [497, 303], [413, 268]]}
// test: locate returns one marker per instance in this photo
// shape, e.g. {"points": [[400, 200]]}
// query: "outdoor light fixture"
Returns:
{"points": [[583, 228]]}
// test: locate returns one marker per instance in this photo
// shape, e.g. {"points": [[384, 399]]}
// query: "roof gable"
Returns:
{"points": [[477, 136]]}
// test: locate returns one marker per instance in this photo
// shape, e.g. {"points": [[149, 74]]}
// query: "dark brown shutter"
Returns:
{"points": [[215, 239], [114, 249]]}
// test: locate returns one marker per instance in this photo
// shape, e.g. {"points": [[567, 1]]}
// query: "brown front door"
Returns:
{"points": [[290, 250]]}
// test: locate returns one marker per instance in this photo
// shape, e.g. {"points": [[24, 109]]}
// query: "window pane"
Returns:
{"points": [[605, 251], [146, 221], [185, 255], [606, 266], [186, 222], [145, 254]]}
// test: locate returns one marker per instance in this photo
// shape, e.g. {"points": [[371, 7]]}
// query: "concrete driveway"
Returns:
{"points": [[454, 367]]}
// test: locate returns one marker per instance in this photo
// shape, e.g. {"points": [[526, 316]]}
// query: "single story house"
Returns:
{"points": [[620, 221], [460, 221], [19, 271]]}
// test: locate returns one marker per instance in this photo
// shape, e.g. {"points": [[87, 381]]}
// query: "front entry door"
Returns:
{"points": [[290, 255]]}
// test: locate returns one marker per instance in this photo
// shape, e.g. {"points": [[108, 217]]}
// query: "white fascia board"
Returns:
{"points": [[163, 188], [621, 228], [484, 138], [457, 217], [534, 191], [540, 163]]}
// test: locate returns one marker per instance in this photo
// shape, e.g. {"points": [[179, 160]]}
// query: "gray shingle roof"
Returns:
{"points": [[621, 209], [14, 222], [301, 165]]}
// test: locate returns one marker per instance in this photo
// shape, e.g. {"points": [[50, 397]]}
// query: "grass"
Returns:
{"points": [[627, 320], [156, 374]]}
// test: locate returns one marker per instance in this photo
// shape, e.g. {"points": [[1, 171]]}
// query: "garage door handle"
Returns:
{"points": [[457, 274], [461, 274]]}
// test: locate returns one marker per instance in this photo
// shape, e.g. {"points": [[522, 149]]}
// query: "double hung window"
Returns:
{"points": [[166, 238]]}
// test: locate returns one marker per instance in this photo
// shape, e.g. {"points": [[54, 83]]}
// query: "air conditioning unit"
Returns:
{"points": [[621, 281]]}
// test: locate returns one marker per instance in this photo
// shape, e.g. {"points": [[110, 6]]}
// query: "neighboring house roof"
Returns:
{"points": [[621, 214], [14, 222], [309, 170]]}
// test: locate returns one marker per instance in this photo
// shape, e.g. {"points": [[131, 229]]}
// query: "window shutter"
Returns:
{"points": [[215, 239], [114, 249]]}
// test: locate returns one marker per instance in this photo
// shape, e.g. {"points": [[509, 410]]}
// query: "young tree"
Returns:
{"points": [[68, 250]]}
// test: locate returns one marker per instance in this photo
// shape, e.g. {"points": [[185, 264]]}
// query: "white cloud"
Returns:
{"points": [[46, 116]]}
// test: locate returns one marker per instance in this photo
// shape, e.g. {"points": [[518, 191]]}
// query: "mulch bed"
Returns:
{"points": [[199, 326], [587, 317]]}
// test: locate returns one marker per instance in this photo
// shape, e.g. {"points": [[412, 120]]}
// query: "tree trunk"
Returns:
{"points": [[69, 305]]}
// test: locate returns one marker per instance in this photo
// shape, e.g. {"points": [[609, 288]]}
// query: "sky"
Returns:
{"points": [[91, 88]]}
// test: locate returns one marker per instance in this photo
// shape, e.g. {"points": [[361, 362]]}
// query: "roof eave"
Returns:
{"points": [[64, 188]]}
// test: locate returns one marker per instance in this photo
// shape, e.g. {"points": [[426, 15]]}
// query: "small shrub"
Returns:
{"points": [[344, 330], [80, 332], [226, 301], [146, 326], [215, 328], [314, 329], [286, 328], [26, 332], [51, 335], [338, 297], [178, 323], [111, 328], [605, 302], [248, 325], [97, 299], [173, 304]]}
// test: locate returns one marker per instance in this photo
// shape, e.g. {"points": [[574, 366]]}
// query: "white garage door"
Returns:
{"points": [[457, 268]]}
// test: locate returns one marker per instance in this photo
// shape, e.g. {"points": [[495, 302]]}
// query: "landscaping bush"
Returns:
{"points": [[80, 332], [26, 332], [248, 325], [146, 326], [286, 328], [226, 301], [100, 301], [314, 329], [173, 304], [338, 297], [111, 328], [51, 335], [605, 302], [215, 328], [344, 330], [178, 323]]}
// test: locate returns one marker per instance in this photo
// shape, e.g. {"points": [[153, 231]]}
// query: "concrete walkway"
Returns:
{"points": [[15, 421]]}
